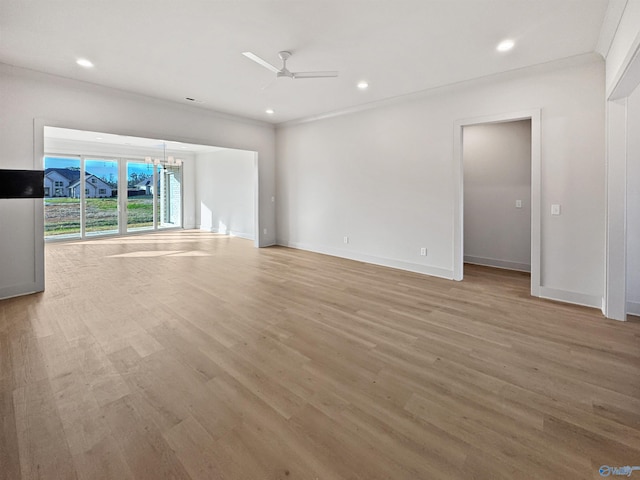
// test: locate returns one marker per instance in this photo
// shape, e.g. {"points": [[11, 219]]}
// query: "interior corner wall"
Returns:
{"points": [[623, 45], [29, 97], [633, 203], [384, 176], [225, 192], [497, 173]]}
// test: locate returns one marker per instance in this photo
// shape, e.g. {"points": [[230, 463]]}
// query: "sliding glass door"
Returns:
{"points": [[100, 197], [89, 196], [141, 188], [62, 212]]}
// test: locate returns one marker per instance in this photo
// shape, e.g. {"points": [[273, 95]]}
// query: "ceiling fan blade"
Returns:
{"points": [[259, 61], [314, 74], [269, 83]]}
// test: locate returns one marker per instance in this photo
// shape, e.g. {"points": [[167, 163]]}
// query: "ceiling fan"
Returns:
{"points": [[284, 72]]}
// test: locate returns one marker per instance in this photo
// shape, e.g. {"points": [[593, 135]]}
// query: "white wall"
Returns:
{"points": [[497, 173], [633, 203], [225, 192], [30, 100], [384, 176]]}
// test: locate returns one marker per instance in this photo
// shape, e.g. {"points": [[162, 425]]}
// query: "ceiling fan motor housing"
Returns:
{"points": [[284, 56]]}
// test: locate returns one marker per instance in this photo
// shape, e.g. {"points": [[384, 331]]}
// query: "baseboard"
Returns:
{"points": [[361, 257], [633, 308], [566, 296], [493, 262], [20, 290], [246, 236]]}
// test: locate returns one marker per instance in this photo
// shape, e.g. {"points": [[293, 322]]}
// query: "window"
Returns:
{"points": [[61, 205], [100, 212], [169, 208], [152, 194]]}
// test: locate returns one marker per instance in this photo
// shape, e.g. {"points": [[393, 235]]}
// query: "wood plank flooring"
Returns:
{"points": [[188, 355]]}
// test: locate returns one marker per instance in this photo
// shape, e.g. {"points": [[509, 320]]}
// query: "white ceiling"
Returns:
{"points": [[192, 48]]}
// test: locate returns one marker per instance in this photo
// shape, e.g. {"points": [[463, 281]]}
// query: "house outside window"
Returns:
{"points": [[93, 180], [86, 191], [46, 191], [58, 184], [102, 191]]}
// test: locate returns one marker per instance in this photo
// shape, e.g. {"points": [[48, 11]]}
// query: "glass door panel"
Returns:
{"points": [[140, 192], [61, 205], [169, 200], [101, 197]]}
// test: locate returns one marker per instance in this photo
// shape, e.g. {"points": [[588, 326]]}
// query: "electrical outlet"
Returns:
{"points": [[518, 203], [423, 251], [555, 209], [346, 239], [264, 231]]}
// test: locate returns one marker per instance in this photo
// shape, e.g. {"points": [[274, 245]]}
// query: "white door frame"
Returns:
{"points": [[458, 223], [624, 84], [256, 201]]}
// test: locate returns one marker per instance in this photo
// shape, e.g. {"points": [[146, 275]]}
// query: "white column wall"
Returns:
{"points": [[225, 192], [633, 203], [622, 78]]}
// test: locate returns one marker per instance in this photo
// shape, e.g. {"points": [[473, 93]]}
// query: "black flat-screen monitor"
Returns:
{"points": [[21, 183]]}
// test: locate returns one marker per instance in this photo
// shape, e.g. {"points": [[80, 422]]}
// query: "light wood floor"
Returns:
{"points": [[195, 356]]}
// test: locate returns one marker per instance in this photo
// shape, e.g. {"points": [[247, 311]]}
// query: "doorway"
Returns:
{"points": [[497, 195], [533, 202], [633, 205]]}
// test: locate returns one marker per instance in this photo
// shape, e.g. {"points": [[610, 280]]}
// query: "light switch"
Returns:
{"points": [[518, 203], [555, 209]]}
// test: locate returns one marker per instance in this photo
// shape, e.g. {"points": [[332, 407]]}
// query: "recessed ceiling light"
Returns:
{"points": [[505, 45], [363, 85], [83, 62], [270, 111]]}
